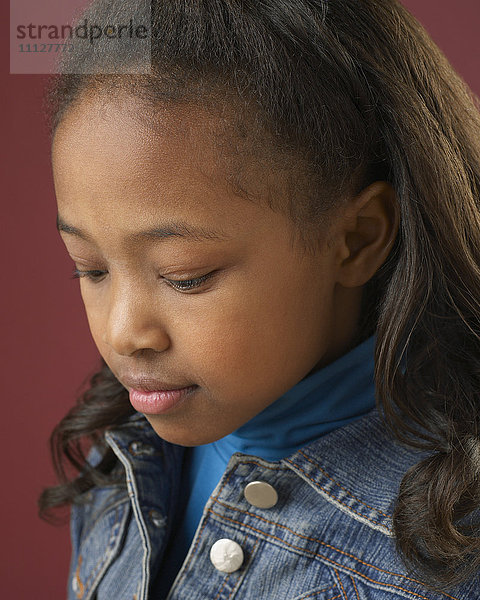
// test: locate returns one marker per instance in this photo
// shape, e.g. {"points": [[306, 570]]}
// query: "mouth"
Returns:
{"points": [[158, 402], [152, 396]]}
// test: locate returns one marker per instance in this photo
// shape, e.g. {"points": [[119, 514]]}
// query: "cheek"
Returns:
{"points": [[216, 337], [248, 338]]}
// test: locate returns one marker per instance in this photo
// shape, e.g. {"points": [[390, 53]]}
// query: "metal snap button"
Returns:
{"points": [[260, 494], [226, 555], [157, 518], [137, 448]]}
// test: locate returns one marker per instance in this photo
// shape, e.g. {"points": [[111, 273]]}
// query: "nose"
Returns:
{"points": [[133, 322]]}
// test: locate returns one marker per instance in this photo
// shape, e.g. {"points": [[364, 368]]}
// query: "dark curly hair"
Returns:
{"points": [[353, 91]]}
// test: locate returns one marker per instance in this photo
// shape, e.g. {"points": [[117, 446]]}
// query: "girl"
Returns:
{"points": [[277, 235]]}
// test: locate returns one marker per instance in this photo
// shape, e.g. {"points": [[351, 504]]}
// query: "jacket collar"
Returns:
{"points": [[357, 467]]}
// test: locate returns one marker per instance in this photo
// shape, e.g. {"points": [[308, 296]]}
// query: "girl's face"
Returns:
{"points": [[185, 283]]}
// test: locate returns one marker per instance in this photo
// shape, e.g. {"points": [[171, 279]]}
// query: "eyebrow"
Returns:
{"points": [[179, 229]]}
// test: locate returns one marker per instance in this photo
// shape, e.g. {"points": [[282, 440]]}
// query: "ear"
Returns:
{"points": [[366, 233]]}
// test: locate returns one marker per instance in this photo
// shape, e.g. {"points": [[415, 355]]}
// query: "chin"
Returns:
{"points": [[183, 437]]}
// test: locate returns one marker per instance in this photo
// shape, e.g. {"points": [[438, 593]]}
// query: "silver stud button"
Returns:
{"points": [[226, 555], [157, 518], [261, 494], [137, 448]]}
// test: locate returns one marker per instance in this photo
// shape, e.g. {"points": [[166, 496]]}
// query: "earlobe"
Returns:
{"points": [[368, 231]]}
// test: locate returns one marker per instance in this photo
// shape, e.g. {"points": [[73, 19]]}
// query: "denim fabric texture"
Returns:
{"points": [[329, 537]]}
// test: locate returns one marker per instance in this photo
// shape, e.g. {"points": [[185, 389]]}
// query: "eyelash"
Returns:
{"points": [[185, 284], [92, 275]]}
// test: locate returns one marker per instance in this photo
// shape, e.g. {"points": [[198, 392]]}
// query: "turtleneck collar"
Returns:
{"points": [[321, 402]]}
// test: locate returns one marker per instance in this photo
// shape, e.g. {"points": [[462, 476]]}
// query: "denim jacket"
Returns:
{"points": [[327, 537]]}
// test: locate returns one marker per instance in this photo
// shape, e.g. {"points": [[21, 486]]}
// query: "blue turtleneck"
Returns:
{"points": [[330, 398]]}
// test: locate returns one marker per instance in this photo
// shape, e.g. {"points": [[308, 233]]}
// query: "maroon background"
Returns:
{"points": [[47, 351]]}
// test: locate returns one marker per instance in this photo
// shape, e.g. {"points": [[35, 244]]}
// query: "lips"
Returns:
{"points": [[145, 383], [154, 397]]}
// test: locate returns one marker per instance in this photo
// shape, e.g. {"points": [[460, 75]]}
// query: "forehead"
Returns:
{"points": [[113, 133], [113, 169]]}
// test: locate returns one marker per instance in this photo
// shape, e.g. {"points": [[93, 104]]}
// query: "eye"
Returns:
{"points": [[184, 285], [94, 275]]}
